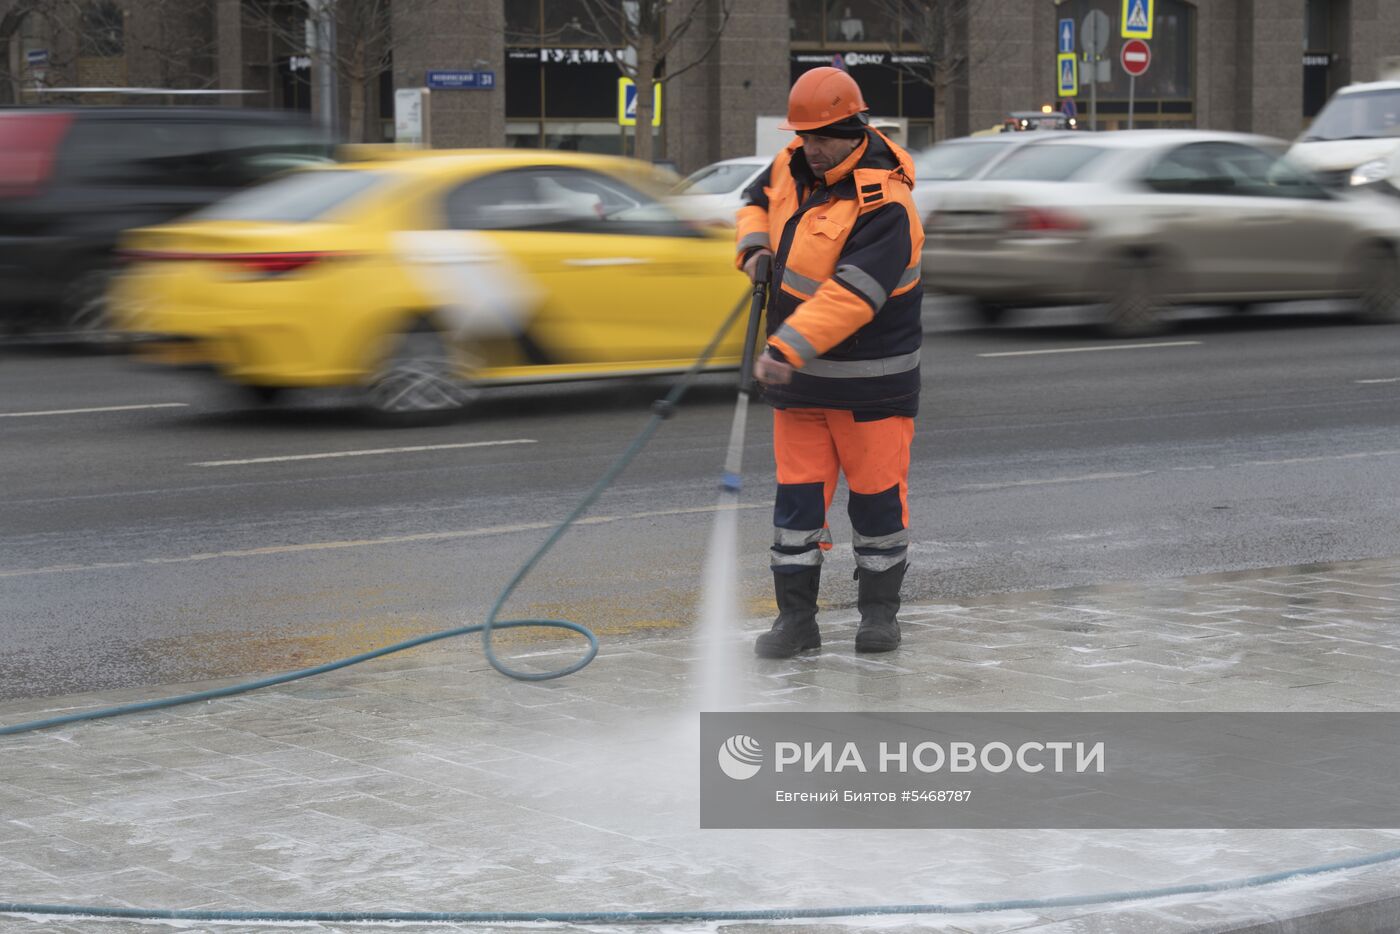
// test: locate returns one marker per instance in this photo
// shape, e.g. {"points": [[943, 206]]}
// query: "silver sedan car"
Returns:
{"points": [[1139, 221], [940, 168]]}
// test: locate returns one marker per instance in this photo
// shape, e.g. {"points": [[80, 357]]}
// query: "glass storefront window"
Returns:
{"points": [[816, 24], [522, 21], [1170, 78], [805, 21], [1319, 26], [561, 82], [874, 40], [568, 22], [561, 75], [891, 88], [850, 22], [561, 22]]}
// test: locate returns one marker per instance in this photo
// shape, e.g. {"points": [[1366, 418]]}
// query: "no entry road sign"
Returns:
{"points": [[1135, 57]]}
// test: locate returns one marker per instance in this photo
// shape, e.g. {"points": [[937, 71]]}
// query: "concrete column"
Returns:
{"points": [[1372, 34], [1269, 75], [1003, 57], [452, 34], [1219, 70], [711, 109], [229, 29]]}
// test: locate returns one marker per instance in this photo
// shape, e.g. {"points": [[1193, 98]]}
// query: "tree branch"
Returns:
{"points": [[683, 24], [726, 8], [616, 17]]}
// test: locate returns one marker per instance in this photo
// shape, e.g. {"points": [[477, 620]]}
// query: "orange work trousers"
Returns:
{"points": [[813, 447]]}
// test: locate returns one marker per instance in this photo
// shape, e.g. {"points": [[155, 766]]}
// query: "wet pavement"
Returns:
{"points": [[427, 782]]}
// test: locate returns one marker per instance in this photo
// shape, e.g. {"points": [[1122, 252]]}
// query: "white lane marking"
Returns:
{"points": [[105, 408], [366, 542], [1078, 479], [1035, 353], [364, 453], [1313, 460], [1394, 379], [1282, 462]]}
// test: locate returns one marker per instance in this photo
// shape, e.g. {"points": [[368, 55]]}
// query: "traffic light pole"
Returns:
{"points": [[1093, 57]]}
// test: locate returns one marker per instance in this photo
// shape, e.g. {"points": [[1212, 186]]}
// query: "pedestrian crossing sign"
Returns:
{"points": [[1069, 74], [627, 103], [1137, 19]]}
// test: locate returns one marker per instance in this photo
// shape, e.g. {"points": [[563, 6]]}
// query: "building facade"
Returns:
{"points": [[942, 67]]}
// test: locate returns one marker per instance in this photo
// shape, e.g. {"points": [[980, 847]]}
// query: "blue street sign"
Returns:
{"points": [[1067, 107], [1137, 19], [1066, 35], [627, 103], [462, 80], [37, 57], [1068, 70]]}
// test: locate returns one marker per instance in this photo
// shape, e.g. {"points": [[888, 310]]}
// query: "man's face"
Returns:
{"points": [[825, 153]]}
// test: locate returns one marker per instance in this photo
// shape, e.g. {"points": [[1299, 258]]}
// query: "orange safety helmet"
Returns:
{"points": [[821, 97]]}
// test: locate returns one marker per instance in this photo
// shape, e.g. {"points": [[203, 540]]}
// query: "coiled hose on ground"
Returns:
{"points": [[661, 410]]}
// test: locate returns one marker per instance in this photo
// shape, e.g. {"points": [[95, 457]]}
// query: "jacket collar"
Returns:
{"points": [[848, 165], [874, 152], [802, 171]]}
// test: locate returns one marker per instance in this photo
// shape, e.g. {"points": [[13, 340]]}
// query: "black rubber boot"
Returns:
{"points": [[795, 630], [879, 606]]}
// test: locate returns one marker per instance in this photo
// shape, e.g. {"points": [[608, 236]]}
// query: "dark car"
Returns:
{"points": [[73, 179]]}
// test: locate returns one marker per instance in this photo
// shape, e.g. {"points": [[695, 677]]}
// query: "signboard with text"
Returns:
{"points": [[462, 80]]}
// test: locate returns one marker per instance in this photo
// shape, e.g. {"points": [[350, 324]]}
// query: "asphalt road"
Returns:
{"points": [[185, 538]]}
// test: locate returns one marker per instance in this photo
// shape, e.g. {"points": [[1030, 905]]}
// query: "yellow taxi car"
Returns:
{"points": [[418, 280]]}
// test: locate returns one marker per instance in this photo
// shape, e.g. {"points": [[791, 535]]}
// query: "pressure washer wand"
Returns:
{"points": [[732, 480]]}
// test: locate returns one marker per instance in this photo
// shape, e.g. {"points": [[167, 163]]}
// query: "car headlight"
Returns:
{"points": [[1369, 172]]}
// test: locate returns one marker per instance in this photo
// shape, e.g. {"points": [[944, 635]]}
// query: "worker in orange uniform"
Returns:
{"points": [[841, 366]]}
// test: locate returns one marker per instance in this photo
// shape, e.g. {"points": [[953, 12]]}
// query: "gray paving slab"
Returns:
{"points": [[428, 782]]}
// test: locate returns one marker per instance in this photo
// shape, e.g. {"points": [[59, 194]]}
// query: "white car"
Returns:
{"points": [[964, 159], [1355, 140], [714, 194], [1142, 220]]}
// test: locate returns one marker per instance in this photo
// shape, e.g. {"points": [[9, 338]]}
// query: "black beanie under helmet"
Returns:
{"points": [[853, 127]]}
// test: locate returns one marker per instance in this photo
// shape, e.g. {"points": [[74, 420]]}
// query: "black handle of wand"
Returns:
{"points": [[760, 299]]}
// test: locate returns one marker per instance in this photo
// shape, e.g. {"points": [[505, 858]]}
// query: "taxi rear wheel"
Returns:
{"points": [[1378, 272], [1136, 307], [988, 313], [420, 380], [86, 311]]}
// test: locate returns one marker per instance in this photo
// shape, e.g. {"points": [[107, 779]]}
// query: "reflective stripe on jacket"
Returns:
{"points": [[846, 294]]}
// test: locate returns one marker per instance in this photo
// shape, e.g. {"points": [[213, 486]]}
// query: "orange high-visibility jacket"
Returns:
{"points": [[846, 294]]}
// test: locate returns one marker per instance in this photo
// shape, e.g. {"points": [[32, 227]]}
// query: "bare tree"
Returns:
{"points": [[939, 30], [365, 37], [13, 16], [177, 47], [161, 43], [651, 32]]}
